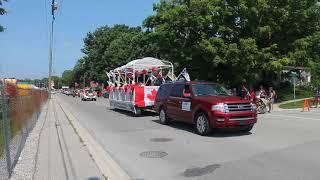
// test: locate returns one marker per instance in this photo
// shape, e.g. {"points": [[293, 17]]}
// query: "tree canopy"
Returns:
{"points": [[234, 39], [222, 40], [110, 47], [67, 78]]}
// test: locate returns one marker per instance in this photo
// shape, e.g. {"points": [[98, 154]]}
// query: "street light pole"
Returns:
{"points": [[53, 8]]}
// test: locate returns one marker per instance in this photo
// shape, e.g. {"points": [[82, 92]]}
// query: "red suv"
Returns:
{"points": [[205, 104]]}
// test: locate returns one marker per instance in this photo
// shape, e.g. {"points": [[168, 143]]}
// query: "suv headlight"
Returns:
{"points": [[253, 107], [221, 107]]}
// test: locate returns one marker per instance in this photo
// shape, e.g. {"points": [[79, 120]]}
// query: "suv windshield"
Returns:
{"points": [[209, 90]]}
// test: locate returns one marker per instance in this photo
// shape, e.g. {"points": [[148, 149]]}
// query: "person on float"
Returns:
{"points": [[252, 95]]}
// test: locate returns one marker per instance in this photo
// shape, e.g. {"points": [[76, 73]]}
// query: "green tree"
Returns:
{"points": [[225, 40], [233, 40], [110, 47], [68, 78]]}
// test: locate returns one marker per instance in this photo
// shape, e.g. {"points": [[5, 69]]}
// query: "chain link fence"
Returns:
{"points": [[19, 110]]}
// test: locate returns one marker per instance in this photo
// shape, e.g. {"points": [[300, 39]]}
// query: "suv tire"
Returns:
{"points": [[202, 124], [163, 117]]}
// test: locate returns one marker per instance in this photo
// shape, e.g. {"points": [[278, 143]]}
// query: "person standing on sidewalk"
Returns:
{"points": [[317, 98], [272, 95]]}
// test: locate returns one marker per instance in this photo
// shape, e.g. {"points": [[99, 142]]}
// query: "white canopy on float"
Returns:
{"points": [[145, 63], [148, 64]]}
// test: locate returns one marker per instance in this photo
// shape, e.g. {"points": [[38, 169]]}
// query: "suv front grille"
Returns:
{"points": [[241, 118], [239, 107]]}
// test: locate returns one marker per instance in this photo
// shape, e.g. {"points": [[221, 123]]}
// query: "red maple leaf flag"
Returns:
{"points": [[152, 95]]}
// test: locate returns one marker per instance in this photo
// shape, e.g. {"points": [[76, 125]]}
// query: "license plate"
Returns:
{"points": [[242, 122]]}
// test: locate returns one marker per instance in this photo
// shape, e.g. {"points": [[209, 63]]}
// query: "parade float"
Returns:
{"points": [[134, 86]]}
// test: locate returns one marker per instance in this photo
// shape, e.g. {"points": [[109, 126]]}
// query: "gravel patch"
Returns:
{"points": [[26, 164]]}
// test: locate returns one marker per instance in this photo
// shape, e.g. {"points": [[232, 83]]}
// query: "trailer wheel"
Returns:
{"points": [[138, 112]]}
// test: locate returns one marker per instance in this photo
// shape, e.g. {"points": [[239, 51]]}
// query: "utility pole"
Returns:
{"points": [[53, 9]]}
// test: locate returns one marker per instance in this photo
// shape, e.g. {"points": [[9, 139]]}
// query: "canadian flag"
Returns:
{"points": [[145, 95]]}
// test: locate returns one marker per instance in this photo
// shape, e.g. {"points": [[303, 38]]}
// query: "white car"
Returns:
{"points": [[88, 95]]}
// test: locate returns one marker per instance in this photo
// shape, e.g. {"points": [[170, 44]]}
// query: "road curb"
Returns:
{"points": [[102, 158]]}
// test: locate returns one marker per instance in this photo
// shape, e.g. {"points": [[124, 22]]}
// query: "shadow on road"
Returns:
{"points": [[131, 114], [217, 133]]}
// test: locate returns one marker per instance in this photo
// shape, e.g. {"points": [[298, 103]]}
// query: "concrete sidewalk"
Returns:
{"points": [[54, 150]]}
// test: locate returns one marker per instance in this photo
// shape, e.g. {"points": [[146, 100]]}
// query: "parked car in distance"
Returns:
{"points": [[68, 92], [88, 95], [206, 105], [77, 93]]}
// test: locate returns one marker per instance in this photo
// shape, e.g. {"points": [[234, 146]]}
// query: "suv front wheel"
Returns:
{"points": [[247, 129], [163, 117], [202, 124]]}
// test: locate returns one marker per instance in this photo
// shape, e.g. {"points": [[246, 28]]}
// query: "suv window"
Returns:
{"points": [[209, 90], [164, 90], [177, 90]]}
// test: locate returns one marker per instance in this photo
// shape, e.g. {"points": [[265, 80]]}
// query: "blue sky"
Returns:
{"points": [[24, 45]]}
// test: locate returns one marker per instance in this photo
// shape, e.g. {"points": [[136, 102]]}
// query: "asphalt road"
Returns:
{"points": [[283, 145]]}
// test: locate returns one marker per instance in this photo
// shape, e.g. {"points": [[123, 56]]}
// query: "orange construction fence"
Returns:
{"points": [[306, 105], [307, 102]]}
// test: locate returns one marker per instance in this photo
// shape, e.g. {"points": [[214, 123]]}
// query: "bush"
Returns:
{"points": [[285, 92]]}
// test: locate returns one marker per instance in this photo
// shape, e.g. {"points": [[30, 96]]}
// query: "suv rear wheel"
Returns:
{"points": [[163, 117], [202, 124]]}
